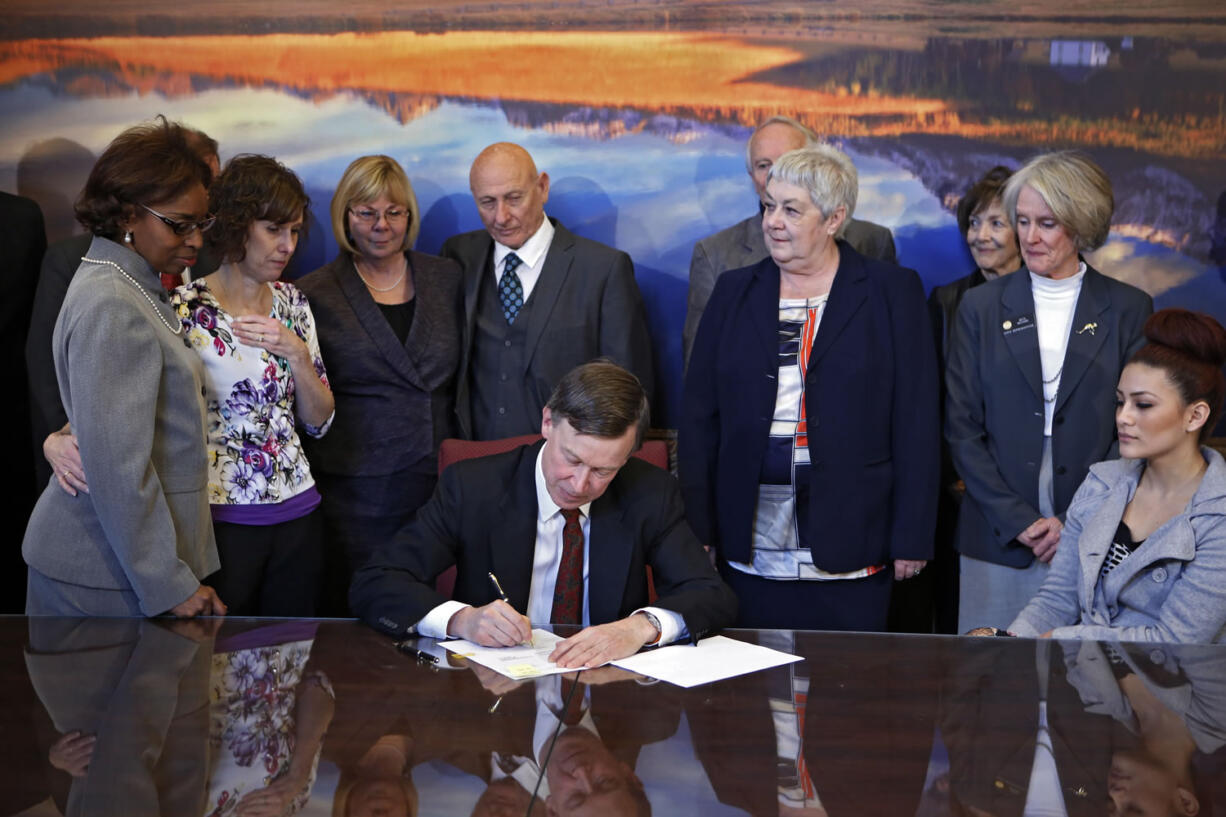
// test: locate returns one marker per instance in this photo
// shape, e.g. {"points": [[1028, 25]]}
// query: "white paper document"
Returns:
{"points": [[527, 661], [713, 659]]}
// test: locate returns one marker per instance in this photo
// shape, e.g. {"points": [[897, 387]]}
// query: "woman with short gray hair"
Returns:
{"points": [[808, 441], [1031, 379]]}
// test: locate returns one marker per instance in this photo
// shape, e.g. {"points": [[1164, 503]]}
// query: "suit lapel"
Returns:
{"points": [[1016, 302], [1096, 537], [558, 261], [476, 259], [608, 560], [762, 306], [753, 242], [513, 538], [1175, 540], [375, 325], [478, 263], [848, 293], [1088, 334]]}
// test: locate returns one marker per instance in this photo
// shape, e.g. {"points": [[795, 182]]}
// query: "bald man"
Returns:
{"points": [[538, 301], [742, 244]]}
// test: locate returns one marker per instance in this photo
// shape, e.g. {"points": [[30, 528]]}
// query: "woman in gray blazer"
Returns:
{"points": [[388, 320], [1032, 370], [140, 541], [1143, 557]]}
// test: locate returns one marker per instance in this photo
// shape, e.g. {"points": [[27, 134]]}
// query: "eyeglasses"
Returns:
{"points": [[182, 228], [366, 215]]}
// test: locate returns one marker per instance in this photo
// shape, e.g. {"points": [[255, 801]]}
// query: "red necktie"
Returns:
{"points": [[568, 589]]}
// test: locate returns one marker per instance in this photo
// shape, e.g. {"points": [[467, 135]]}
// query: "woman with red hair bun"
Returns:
{"points": [[1143, 556]]}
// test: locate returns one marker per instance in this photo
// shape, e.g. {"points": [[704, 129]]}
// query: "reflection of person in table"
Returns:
{"points": [[1169, 711], [588, 730], [569, 525]]}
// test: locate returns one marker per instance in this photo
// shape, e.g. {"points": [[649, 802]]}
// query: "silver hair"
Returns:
{"points": [[811, 137], [1074, 187], [826, 172]]}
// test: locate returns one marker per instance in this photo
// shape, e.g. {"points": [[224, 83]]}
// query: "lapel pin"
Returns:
{"points": [[1007, 325], [1089, 327]]}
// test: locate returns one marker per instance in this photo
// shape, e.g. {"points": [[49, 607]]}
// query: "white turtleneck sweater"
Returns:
{"points": [[1054, 304]]}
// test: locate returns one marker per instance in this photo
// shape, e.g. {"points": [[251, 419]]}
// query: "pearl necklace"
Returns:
{"points": [[176, 329], [374, 288]]}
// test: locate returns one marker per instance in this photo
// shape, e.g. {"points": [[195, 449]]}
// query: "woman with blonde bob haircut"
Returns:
{"points": [[388, 320], [1033, 364]]}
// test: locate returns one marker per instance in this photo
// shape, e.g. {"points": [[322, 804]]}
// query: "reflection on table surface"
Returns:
{"points": [[252, 717]]}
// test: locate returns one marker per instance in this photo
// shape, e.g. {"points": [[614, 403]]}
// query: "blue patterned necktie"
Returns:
{"points": [[510, 289]]}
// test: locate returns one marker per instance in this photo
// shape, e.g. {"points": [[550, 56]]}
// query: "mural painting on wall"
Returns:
{"points": [[639, 111]]}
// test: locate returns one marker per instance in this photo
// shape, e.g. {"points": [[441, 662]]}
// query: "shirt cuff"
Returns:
{"points": [[318, 431], [434, 623], [672, 624]]}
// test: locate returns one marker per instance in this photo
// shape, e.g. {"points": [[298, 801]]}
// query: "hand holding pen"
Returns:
{"points": [[496, 624]]}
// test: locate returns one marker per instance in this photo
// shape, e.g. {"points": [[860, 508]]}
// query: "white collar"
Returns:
{"points": [[530, 252], [546, 507]]}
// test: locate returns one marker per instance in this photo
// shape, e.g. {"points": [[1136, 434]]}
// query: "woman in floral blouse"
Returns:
{"points": [[264, 377]]}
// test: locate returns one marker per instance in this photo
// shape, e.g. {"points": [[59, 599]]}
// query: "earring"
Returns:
{"points": [[127, 237]]}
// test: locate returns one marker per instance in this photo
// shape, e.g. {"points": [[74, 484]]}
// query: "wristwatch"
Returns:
{"points": [[655, 622]]}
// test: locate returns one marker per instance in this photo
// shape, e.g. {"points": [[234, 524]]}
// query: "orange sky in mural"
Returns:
{"points": [[697, 75], [644, 70]]}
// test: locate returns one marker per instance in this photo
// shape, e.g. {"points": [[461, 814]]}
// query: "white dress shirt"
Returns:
{"points": [[547, 556], [532, 254]]}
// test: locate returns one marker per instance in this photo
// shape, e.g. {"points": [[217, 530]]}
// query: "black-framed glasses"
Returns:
{"points": [[369, 215], [182, 228]]}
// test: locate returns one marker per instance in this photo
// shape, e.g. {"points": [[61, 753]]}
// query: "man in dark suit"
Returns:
{"points": [[538, 301], [526, 516], [742, 244]]}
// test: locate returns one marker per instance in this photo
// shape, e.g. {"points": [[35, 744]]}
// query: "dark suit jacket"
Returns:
{"points": [[393, 400], [994, 405], [743, 245], [870, 400], [585, 305], [943, 304], [482, 518], [59, 266], [22, 241]]}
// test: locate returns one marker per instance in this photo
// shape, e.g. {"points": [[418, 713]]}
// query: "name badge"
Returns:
{"points": [[1021, 323]]}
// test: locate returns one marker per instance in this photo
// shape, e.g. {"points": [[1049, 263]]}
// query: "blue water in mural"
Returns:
{"points": [[652, 192]]}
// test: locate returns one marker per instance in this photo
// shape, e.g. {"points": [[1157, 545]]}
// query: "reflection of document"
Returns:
{"points": [[713, 659], [527, 661]]}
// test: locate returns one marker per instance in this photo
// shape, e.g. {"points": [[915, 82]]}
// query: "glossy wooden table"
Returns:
{"points": [[249, 717]]}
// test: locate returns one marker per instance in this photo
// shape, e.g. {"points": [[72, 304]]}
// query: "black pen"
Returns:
{"points": [[503, 595], [498, 587]]}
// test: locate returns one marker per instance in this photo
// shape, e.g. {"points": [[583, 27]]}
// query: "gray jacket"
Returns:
{"points": [[1172, 588], [133, 391]]}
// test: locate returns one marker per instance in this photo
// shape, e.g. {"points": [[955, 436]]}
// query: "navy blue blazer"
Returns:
{"points": [[994, 402], [870, 400]]}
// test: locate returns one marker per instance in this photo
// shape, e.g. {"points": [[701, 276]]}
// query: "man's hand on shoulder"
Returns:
{"points": [[496, 624], [605, 642]]}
